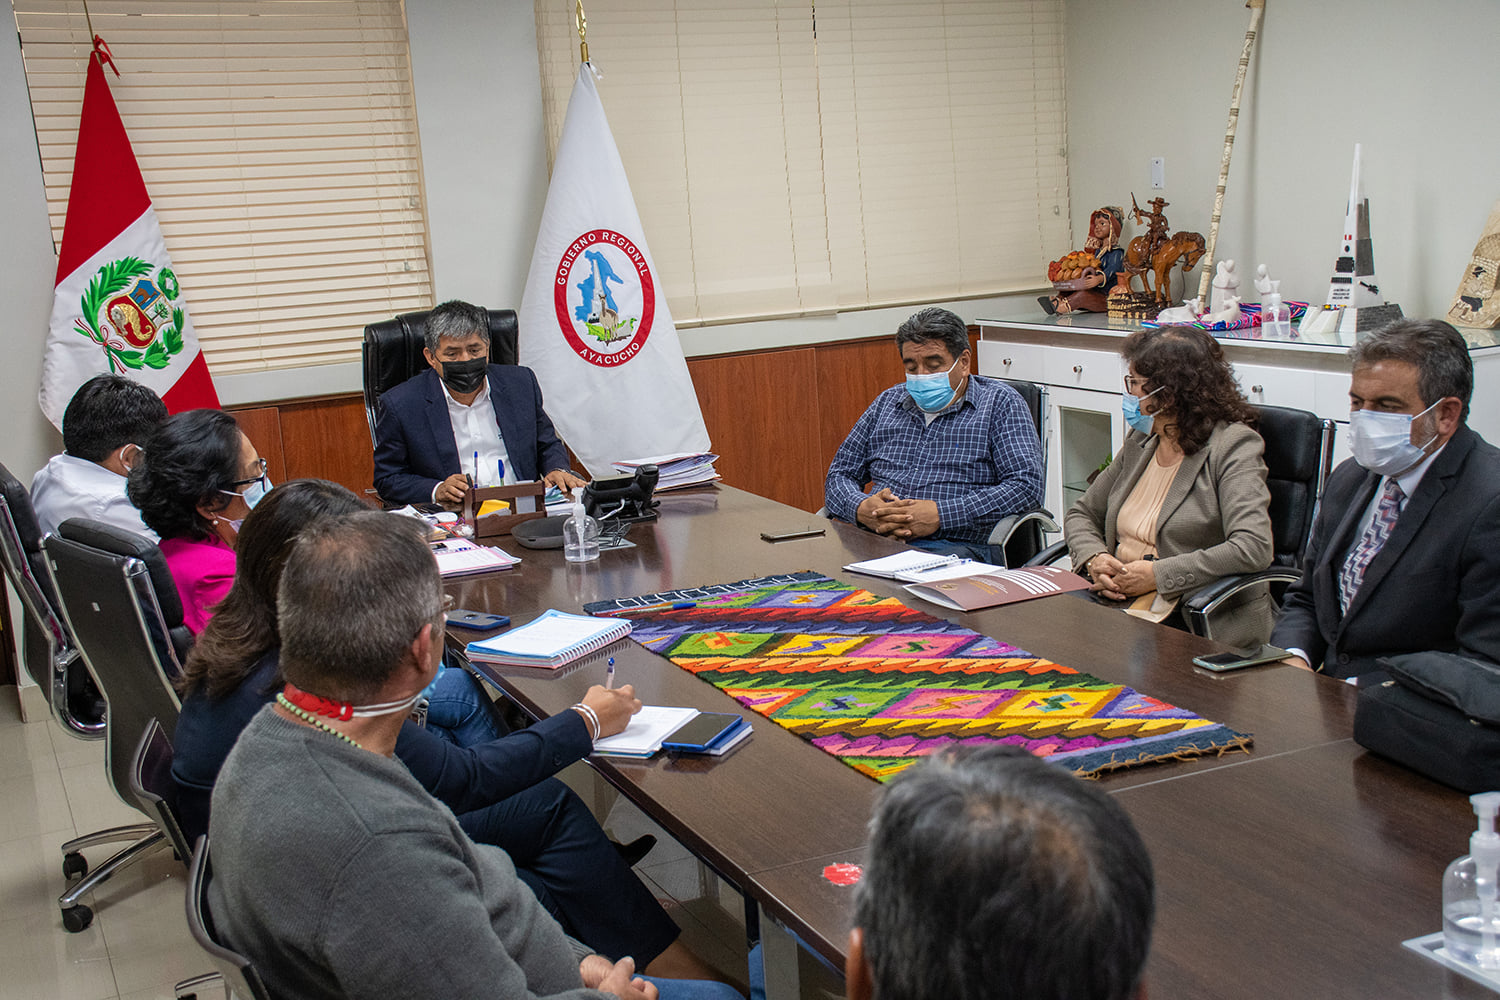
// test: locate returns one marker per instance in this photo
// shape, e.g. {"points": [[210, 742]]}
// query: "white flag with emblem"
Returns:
{"points": [[594, 323]]}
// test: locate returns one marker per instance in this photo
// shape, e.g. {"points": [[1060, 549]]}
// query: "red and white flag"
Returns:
{"points": [[594, 323], [118, 306]]}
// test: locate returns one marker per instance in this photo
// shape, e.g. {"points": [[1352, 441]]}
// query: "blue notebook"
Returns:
{"points": [[549, 640]]}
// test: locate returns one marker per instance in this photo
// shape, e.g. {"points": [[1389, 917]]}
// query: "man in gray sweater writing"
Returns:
{"points": [[334, 870]]}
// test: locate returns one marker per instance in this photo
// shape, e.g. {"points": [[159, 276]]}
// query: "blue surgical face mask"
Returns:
{"points": [[1137, 420], [931, 392], [1381, 442], [252, 495]]}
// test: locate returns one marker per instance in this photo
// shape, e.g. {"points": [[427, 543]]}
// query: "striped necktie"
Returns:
{"points": [[1386, 513]]}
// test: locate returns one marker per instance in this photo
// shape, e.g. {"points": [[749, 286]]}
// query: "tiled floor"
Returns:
{"points": [[52, 787]]}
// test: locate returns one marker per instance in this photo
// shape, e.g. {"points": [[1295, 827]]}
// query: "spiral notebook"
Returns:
{"points": [[917, 566], [549, 640]]}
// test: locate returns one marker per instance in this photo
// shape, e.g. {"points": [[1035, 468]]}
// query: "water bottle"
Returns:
{"points": [[1276, 319], [1471, 910], [580, 536]]}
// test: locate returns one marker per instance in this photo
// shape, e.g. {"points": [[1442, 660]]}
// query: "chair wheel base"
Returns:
{"points": [[77, 918], [75, 865]]}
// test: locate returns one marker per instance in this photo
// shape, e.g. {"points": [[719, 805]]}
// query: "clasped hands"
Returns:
{"points": [[619, 978], [1117, 580], [451, 490], [887, 514]]}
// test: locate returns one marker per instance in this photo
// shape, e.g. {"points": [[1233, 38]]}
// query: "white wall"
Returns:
{"points": [[1414, 83]]}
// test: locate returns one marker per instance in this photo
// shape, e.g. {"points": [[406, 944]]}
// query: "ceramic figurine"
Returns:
{"points": [[1477, 302], [1226, 284], [1096, 265], [1155, 253], [1188, 312]]}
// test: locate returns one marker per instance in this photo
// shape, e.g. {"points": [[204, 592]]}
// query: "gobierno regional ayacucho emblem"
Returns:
{"points": [[605, 297], [131, 310]]}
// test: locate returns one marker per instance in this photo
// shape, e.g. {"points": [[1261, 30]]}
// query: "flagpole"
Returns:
{"points": [[582, 21]]}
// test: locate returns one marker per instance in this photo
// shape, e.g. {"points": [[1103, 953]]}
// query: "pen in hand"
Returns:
{"points": [[609, 675]]}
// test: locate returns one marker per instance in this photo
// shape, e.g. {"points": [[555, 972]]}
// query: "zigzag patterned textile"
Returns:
{"points": [[878, 684]]}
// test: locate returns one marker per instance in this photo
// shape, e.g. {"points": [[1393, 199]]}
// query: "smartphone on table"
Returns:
{"points": [[1241, 658], [464, 618]]}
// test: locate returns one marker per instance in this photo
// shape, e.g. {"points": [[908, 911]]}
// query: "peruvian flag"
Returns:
{"points": [[118, 307]]}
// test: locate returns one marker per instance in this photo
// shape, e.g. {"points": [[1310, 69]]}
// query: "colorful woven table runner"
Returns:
{"points": [[878, 684]]}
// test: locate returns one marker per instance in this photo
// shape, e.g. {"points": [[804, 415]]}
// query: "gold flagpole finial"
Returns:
{"points": [[583, 29]]}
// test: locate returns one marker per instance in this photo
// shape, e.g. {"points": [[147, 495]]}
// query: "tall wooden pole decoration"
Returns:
{"points": [[1257, 11]]}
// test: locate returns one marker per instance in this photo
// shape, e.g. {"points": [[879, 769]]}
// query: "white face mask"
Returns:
{"points": [[1381, 442]]}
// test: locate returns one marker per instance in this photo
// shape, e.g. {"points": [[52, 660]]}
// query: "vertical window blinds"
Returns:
{"points": [[278, 141], [790, 157]]}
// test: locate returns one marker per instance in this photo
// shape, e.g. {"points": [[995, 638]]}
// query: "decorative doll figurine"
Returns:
{"points": [[1097, 263], [1226, 286]]}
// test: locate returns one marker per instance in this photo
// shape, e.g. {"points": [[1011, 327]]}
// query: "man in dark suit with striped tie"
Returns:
{"points": [[1405, 552]]}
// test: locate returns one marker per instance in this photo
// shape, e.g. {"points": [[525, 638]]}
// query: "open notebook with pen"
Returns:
{"points": [[916, 566]]}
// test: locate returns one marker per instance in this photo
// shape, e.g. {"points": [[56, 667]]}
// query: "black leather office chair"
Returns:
{"points": [[240, 978], [49, 654], [392, 352], [1299, 456], [122, 624]]}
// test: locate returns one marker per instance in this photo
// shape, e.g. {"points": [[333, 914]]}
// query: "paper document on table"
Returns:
{"points": [[906, 561], [949, 571], [1006, 586], [648, 727], [461, 557]]}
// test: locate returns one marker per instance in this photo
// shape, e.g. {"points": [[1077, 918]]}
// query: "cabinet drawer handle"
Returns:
{"points": [[1258, 388], [1078, 369], [1005, 362]]}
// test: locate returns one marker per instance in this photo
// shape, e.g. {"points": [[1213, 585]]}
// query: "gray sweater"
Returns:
{"points": [[339, 876]]}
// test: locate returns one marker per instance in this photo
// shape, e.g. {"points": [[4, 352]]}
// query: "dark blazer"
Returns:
{"points": [[1214, 522], [1434, 585], [414, 445]]}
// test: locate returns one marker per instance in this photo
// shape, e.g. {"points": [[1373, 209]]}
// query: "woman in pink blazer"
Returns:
{"points": [[198, 479]]}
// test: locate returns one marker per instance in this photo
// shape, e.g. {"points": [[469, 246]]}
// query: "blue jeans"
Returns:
{"points": [[982, 551], [695, 989], [458, 709]]}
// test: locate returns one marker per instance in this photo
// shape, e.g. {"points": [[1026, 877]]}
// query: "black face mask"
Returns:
{"points": [[463, 377]]}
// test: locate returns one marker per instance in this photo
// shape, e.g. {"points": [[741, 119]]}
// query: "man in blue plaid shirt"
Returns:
{"points": [[948, 453]]}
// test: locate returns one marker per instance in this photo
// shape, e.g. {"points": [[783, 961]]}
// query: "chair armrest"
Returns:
{"points": [[1201, 603], [1049, 555], [1010, 523]]}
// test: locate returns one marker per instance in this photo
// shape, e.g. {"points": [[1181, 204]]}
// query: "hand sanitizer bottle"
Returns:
{"points": [[1276, 318], [1471, 910], [580, 534]]}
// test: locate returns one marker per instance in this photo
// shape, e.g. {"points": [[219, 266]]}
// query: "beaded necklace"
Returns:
{"points": [[307, 717]]}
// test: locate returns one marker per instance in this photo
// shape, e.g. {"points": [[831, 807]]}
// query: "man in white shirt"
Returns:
{"points": [[1405, 552], [465, 420], [103, 427]]}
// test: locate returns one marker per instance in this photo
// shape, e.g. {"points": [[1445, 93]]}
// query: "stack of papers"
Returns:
{"points": [[549, 640], [677, 471], [975, 591], [461, 557]]}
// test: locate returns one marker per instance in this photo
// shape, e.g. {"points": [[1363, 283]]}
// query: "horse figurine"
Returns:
{"points": [[1140, 259]]}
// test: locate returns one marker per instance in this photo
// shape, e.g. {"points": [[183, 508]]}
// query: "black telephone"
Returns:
{"points": [[623, 499]]}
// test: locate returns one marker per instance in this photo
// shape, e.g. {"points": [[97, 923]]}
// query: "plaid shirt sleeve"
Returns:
{"points": [[843, 488], [1016, 455]]}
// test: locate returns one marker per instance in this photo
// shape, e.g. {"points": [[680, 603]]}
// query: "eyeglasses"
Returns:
{"points": [[259, 477], [1134, 382]]}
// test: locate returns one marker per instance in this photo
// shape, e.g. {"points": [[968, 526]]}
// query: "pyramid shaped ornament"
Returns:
{"points": [[1355, 304]]}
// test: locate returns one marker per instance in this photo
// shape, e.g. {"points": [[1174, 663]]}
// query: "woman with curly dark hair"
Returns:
{"points": [[197, 479], [1185, 500]]}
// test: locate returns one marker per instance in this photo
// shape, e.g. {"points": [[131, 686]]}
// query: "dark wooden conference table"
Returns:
{"points": [[1293, 870]]}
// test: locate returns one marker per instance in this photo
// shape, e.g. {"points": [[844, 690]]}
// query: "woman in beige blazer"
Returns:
{"points": [[1185, 500]]}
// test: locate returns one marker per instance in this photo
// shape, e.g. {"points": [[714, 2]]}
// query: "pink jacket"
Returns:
{"points": [[203, 572]]}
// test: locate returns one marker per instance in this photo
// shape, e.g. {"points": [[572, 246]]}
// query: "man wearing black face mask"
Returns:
{"points": [[464, 420], [1405, 552]]}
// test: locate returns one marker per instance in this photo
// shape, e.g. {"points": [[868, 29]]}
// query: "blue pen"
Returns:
{"points": [[476, 468], [609, 675], [502, 472]]}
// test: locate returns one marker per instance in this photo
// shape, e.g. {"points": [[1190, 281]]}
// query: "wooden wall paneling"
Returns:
{"points": [[762, 416], [850, 376], [262, 425], [329, 439]]}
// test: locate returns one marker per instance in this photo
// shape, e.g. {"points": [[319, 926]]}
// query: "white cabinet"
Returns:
{"points": [[1077, 359]]}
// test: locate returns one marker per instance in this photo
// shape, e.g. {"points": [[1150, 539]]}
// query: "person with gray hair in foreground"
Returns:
{"points": [[335, 872], [994, 875]]}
